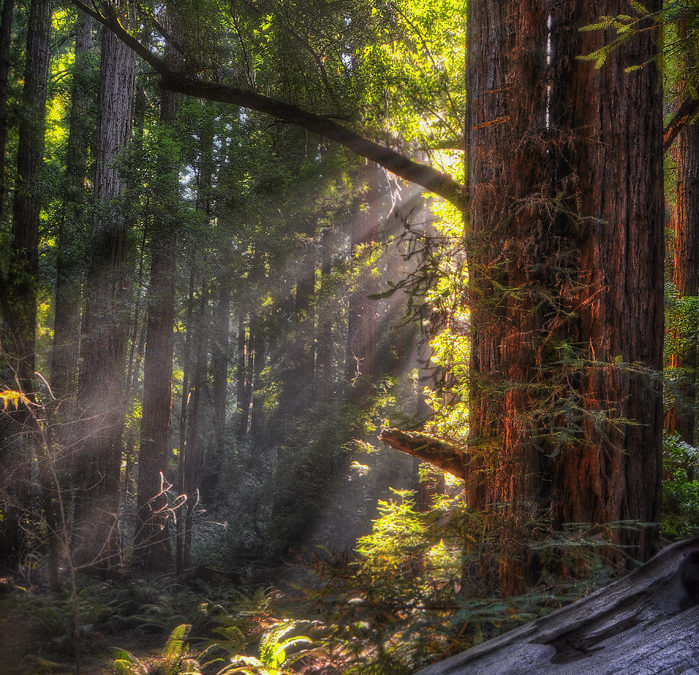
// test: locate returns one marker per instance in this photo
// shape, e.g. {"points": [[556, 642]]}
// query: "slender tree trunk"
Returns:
{"points": [[105, 324], [361, 327], [22, 282], [5, 42], [194, 457], [152, 544], [259, 340], [219, 368], [184, 416], [243, 389], [71, 225]]}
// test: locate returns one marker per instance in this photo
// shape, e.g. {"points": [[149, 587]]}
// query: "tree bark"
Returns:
{"points": [[18, 442], [5, 42], [615, 475], [243, 376], [103, 353], [566, 265], [152, 543], [426, 448], [219, 368], [194, 455], [682, 413], [643, 623]]}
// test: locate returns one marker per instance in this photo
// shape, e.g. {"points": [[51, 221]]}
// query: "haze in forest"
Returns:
{"points": [[338, 336]]}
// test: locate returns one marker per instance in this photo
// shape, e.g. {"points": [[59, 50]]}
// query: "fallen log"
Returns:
{"points": [[647, 622], [431, 449]]}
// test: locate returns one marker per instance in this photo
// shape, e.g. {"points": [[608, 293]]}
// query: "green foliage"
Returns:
{"points": [[680, 489]]}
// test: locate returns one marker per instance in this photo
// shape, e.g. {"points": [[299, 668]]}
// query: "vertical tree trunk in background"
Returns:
{"points": [[184, 414], [104, 331], [361, 325], [22, 281], [194, 451], [5, 40], [28, 195], [243, 375], [219, 368], [615, 475], [682, 414], [71, 224], [152, 544], [194, 456], [534, 156], [324, 350], [258, 339]]}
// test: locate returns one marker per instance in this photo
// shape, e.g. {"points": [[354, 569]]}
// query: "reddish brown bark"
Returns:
{"points": [[615, 476], [566, 269], [682, 414]]}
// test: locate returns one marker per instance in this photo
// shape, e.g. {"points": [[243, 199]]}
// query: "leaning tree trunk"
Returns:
{"points": [[105, 324], [20, 312]]}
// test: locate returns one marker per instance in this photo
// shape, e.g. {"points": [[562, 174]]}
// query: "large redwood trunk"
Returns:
{"points": [[514, 229], [105, 324], [566, 277], [616, 116]]}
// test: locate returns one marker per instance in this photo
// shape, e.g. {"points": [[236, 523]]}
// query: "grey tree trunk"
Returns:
{"points": [[105, 323]]}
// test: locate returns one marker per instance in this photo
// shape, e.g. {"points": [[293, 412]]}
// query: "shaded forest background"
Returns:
{"points": [[236, 246]]}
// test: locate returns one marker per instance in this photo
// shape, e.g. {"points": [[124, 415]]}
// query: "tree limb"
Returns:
{"points": [[429, 449], [435, 181], [681, 118]]}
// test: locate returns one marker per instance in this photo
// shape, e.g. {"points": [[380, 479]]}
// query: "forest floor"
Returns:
{"points": [[137, 617]]}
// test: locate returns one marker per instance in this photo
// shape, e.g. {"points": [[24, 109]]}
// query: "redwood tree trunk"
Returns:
{"points": [[682, 415], [219, 368], [566, 269], [5, 41], [105, 324], [616, 116], [71, 224], [16, 451], [152, 544]]}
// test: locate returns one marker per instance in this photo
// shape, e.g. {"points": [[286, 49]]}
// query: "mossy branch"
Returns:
{"points": [[429, 449]]}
